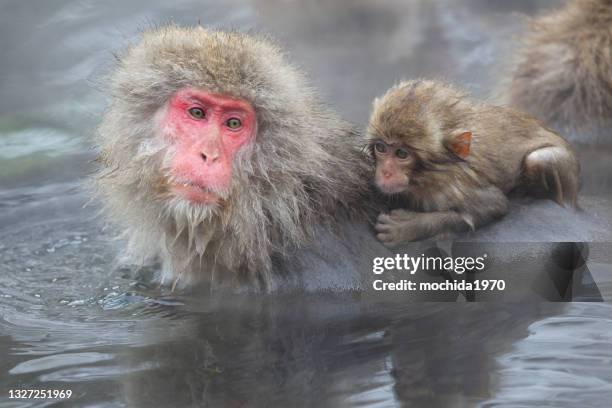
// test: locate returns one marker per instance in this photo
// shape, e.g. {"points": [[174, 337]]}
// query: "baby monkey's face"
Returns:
{"points": [[394, 165]]}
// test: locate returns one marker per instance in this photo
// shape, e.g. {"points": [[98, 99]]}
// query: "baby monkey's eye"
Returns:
{"points": [[197, 113], [380, 147], [234, 123], [401, 153]]}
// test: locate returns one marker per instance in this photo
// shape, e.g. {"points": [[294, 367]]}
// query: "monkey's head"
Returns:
{"points": [[412, 131], [213, 143]]}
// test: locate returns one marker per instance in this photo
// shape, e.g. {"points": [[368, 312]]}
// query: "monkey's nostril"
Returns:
{"points": [[210, 158]]}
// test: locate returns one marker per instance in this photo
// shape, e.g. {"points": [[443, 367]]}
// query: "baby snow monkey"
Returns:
{"points": [[454, 160]]}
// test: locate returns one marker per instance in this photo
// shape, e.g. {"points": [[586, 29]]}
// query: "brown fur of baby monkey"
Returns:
{"points": [[216, 156], [454, 160], [563, 73]]}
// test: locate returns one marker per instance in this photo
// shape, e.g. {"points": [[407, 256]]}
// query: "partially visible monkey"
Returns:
{"points": [[217, 158], [563, 73], [454, 160]]}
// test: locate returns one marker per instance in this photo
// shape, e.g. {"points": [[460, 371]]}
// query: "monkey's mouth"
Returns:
{"points": [[392, 188], [195, 193]]}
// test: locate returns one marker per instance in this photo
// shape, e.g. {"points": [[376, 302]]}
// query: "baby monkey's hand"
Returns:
{"points": [[400, 226]]}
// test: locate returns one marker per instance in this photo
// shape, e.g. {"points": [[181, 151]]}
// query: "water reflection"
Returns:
{"points": [[332, 352]]}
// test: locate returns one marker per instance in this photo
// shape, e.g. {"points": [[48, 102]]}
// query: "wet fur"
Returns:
{"points": [[563, 73], [509, 151], [304, 169]]}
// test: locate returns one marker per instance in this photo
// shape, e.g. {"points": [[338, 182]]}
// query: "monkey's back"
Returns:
{"points": [[564, 70], [501, 139]]}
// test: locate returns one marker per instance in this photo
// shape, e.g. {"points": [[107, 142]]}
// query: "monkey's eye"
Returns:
{"points": [[234, 123], [197, 113], [401, 153], [380, 147]]}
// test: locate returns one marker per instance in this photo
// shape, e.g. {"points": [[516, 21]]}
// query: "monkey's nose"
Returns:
{"points": [[209, 158]]}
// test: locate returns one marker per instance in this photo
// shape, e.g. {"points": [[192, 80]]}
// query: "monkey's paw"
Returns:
{"points": [[398, 227]]}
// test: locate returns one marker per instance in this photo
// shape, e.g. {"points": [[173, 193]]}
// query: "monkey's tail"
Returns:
{"points": [[556, 171]]}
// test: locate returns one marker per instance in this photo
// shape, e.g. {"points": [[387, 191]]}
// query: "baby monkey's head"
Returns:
{"points": [[413, 129]]}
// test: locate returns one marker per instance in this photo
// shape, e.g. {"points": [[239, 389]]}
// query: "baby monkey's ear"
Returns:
{"points": [[460, 144]]}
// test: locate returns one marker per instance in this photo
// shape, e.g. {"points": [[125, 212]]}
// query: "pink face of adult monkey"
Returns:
{"points": [[216, 156], [207, 131]]}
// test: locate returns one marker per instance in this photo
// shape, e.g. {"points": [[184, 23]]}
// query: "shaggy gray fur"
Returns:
{"points": [[305, 166], [563, 73]]}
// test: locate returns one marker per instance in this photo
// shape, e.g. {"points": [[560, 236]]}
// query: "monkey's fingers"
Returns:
{"points": [[382, 227], [387, 240], [384, 219]]}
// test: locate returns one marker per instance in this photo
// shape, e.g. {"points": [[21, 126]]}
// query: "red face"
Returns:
{"points": [[394, 164], [207, 131]]}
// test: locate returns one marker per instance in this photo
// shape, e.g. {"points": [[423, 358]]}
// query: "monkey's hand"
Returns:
{"points": [[401, 226]]}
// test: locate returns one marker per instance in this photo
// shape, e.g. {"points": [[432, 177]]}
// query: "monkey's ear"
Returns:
{"points": [[460, 144]]}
